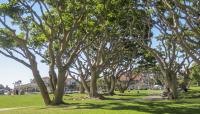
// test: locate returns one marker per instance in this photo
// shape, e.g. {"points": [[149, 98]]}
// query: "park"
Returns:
{"points": [[99, 56], [128, 103]]}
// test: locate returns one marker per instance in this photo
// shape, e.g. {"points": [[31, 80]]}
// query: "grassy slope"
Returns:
{"points": [[129, 103]]}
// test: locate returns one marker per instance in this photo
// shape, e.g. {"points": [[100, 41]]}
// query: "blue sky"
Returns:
{"points": [[11, 71]]}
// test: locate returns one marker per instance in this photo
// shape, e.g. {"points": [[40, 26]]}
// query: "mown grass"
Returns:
{"points": [[128, 103], [20, 101]]}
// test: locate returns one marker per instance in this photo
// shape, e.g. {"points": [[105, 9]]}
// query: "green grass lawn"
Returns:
{"points": [[128, 103]]}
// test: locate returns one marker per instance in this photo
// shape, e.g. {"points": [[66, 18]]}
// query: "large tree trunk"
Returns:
{"points": [[52, 73], [172, 84], [82, 89], [185, 84], [108, 82], [37, 77], [186, 81], [85, 85], [53, 80], [112, 85], [123, 85], [42, 87], [120, 87], [93, 86], [60, 88]]}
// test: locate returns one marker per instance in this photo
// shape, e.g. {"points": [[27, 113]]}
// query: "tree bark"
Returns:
{"points": [[93, 87], [37, 77], [172, 84], [85, 85], [53, 79], [82, 89], [123, 85], [42, 87], [186, 80], [60, 88], [112, 85], [108, 82]]}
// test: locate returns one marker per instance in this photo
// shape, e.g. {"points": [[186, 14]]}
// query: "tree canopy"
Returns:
{"points": [[91, 39]]}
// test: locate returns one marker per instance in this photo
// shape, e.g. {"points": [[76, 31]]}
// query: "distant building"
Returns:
{"points": [[138, 81], [70, 85], [46, 81], [33, 87]]}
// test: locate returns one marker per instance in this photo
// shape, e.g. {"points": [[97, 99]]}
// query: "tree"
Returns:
{"points": [[142, 34], [195, 73], [91, 65], [17, 83], [180, 18], [185, 72], [171, 60], [158, 76], [1, 86], [53, 31]]}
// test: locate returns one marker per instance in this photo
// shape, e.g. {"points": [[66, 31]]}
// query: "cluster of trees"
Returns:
{"points": [[90, 39], [6, 87], [1, 86]]}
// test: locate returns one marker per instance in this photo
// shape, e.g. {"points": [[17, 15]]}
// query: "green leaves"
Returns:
{"points": [[195, 72], [38, 40], [99, 8], [11, 9], [6, 40]]}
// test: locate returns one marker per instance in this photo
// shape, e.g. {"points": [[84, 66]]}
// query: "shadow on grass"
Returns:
{"points": [[190, 94], [124, 99], [140, 106], [150, 107], [130, 94], [132, 103]]}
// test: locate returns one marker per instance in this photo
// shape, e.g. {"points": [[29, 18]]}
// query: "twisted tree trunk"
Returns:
{"points": [[42, 87], [172, 84], [84, 83], [37, 77], [93, 86], [60, 88]]}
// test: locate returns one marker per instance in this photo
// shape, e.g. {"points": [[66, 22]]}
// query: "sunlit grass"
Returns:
{"points": [[128, 103]]}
